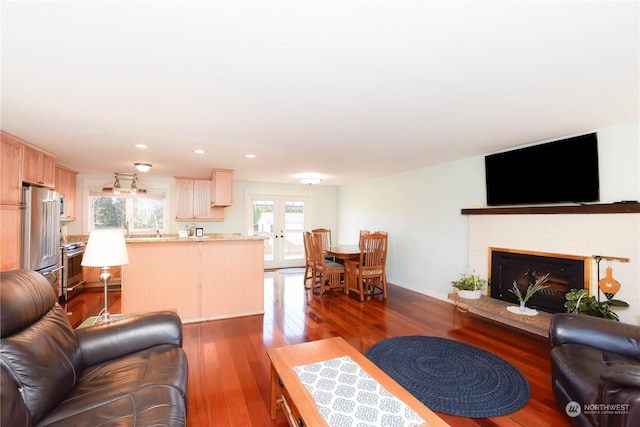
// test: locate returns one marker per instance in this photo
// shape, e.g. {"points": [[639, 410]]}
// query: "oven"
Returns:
{"points": [[72, 277]]}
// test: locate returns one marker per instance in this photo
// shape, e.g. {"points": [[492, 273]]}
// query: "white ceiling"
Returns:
{"points": [[346, 89]]}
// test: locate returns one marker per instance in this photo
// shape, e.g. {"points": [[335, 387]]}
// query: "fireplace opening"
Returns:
{"points": [[523, 268]]}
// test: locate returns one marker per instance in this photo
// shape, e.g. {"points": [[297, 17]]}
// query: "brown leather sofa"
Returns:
{"points": [[596, 364], [129, 372]]}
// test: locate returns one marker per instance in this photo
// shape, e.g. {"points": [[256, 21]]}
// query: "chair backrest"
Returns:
{"points": [[318, 256], [39, 349], [308, 248], [326, 237], [373, 251]]}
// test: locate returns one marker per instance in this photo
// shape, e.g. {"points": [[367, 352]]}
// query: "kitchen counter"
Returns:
{"points": [[203, 278]]}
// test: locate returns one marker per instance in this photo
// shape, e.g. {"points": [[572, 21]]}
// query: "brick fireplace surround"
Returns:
{"points": [[575, 233]]}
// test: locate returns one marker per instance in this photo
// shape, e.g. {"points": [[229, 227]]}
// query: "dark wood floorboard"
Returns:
{"points": [[229, 369]]}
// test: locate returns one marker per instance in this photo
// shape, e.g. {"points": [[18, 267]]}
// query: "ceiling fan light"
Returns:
{"points": [[143, 167]]}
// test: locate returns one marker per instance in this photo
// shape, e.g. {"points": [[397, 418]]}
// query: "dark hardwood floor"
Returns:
{"points": [[229, 369]]}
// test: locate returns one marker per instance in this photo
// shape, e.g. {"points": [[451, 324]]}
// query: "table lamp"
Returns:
{"points": [[105, 249]]}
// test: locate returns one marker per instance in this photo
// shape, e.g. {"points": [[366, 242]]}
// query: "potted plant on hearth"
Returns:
{"points": [[531, 289], [579, 301], [469, 286]]}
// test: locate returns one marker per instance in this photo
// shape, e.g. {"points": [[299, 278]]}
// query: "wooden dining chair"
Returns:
{"points": [[326, 241], [330, 275], [369, 272], [310, 261]]}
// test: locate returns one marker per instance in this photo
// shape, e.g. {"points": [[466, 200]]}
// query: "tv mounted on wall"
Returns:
{"points": [[555, 172]]}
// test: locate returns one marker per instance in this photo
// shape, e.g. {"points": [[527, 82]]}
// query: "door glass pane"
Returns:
{"points": [[294, 227], [263, 224]]}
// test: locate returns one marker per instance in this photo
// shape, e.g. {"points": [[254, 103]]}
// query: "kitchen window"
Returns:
{"points": [[136, 213]]}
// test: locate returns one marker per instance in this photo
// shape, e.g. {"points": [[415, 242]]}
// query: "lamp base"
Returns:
{"points": [[105, 276], [104, 318]]}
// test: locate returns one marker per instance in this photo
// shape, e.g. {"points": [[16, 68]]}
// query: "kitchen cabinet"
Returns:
{"points": [[11, 151], [192, 199], [66, 184], [222, 187], [10, 163], [11, 232], [39, 167]]}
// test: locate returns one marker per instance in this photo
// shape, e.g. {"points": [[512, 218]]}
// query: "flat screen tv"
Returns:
{"points": [[555, 172]]}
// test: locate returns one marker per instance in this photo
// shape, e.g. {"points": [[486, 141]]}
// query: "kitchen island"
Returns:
{"points": [[204, 278]]}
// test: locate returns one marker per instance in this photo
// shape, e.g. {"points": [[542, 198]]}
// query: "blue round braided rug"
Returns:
{"points": [[452, 377]]}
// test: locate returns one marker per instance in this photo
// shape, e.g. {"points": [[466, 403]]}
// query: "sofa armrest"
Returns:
{"points": [[118, 338], [621, 375], [603, 334]]}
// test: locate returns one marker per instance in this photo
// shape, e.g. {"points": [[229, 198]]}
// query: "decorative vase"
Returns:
{"points": [[522, 307], [470, 294]]}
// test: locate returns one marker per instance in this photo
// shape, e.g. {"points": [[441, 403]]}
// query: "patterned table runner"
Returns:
{"points": [[347, 396]]}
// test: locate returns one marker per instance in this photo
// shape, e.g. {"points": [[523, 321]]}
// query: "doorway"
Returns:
{"points": [[282, 219]]}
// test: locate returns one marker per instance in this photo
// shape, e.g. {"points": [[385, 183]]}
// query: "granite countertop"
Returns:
{"points": [[167, 238], [172, 238]]}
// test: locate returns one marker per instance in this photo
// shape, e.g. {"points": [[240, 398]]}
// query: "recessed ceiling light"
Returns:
{"points": [[141, 146], [250, 156], [198, 151]]}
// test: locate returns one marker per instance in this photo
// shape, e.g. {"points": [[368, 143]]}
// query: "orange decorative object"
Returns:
{"points": [[608, 285]]}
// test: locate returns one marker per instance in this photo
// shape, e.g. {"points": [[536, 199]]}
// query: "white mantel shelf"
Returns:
{"points": [[605, 208]]}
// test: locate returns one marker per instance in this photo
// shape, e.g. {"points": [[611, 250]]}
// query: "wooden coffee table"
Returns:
{"points": [[288, 393]]}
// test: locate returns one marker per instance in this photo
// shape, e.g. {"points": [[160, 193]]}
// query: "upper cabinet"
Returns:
{"points": [[66, 184], [222, 188], [39, 167], [192, 199], [202, 199]]}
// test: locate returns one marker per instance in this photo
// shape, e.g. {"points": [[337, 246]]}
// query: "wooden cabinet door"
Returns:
{"points": [[31, 165], [66, 184], [184, 198], [222, 190], [10, 164], [48, 170], [201, 198], [38, 167], [10, 230]]}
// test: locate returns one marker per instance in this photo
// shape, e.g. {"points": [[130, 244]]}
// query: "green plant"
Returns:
{"points": [[469, 282], [531, 289], [578, 301]]}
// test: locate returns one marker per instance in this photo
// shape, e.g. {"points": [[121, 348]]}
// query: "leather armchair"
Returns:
{"points": [[127, 372], [596, 364]]}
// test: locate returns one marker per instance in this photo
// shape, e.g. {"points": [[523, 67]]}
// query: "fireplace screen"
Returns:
{"points": [[565, 273]]}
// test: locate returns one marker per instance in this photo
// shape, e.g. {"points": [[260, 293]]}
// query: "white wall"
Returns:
{"points": [[421, 210]]}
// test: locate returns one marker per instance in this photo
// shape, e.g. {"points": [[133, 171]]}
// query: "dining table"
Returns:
{"points": [[344, 252]]}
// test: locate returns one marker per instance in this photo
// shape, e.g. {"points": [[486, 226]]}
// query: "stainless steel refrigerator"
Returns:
{"points": [[41, 233]]}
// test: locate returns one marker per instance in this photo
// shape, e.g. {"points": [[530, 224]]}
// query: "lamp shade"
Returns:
{"points": [[105, 248]]}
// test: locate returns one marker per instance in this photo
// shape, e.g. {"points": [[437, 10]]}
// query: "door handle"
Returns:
{"points": [[52, 271]]}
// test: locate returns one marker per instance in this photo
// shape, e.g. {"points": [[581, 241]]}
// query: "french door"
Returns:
{"points": [[281, 219]]}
